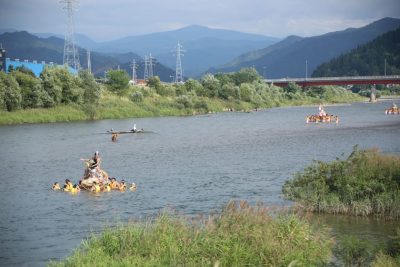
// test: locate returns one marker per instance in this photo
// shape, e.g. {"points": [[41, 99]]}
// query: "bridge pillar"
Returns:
{"points": [[372, 97]]}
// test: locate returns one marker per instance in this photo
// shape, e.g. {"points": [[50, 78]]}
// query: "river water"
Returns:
{"points": [[194, 164]]}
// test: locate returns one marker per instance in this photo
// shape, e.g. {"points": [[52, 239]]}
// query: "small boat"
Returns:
{"points": [[322, 118], [392, 110], [125, 132]]}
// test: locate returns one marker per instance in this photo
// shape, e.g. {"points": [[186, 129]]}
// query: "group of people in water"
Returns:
{"points": [[393, 109], [322, 116], [94, 179]]}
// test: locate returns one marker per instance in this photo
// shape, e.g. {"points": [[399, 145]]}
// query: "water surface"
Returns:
{"points": [[194, 164]]}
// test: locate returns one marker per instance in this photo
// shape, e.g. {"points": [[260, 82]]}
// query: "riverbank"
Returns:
{"points": [[112, 106], [364, 184]]}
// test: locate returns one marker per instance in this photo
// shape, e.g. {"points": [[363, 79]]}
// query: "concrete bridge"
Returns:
{"points": [[354, 80]]}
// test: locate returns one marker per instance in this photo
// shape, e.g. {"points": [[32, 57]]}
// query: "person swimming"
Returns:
{"points": [[122, 186], [56, 186], [133, 187], [68, 184]]}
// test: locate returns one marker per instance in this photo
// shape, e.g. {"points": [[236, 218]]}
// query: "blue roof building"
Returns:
{"points": [[34, 66]]}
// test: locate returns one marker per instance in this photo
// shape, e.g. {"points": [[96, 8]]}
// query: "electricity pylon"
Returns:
{"points": [[71, 57]]}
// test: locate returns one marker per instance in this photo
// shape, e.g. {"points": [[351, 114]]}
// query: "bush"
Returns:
{"points": [[366, 183], [136, 96]]}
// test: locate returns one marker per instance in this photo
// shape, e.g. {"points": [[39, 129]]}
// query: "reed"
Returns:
{"points": [[242, 235], [366, 183]]}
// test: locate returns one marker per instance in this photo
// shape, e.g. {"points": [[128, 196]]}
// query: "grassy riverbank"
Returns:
{"points": [[241, 235], [367, 183], [112, 106]]}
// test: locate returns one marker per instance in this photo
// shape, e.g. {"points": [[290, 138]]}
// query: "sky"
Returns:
{"points": [[109, 20]]}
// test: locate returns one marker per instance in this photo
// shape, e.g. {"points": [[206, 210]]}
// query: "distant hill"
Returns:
{"points": [[23, 45], [205, 47], [288, 58], [367, 59]]}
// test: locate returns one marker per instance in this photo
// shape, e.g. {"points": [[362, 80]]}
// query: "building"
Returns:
{"points": [[34, 66]]}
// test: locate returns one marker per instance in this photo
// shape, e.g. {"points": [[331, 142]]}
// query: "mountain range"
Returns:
{"points": [[297, 57], [203, 47], [206, 49]]}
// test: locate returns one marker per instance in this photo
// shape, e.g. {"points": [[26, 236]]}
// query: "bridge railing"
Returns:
{"points": [[345, 78]]}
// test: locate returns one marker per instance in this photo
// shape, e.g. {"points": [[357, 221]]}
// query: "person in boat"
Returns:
{"points": [[134, 130], [93, 165], [321, 111], [56, 186]]}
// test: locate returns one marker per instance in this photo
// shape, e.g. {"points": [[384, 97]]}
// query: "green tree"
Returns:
{"points": [[51, 87], [195, 86], [246, 92], [117, 81], [11, 92], [211, 85], [33, 95], [246, 75], [229, 90], [91, 93]]}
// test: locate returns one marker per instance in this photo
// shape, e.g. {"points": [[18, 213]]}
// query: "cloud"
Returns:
{"points": [[106, 20]]}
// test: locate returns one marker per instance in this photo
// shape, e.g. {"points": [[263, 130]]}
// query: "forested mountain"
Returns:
{"points": [[367, 59], [284, 60], [23, 45]]}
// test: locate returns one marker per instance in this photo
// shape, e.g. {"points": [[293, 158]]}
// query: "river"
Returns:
{"points": [[194, 164]]}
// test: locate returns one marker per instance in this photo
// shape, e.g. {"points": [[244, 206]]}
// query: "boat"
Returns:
{"points": [[392, 110], [322, 116], [125, 132]]}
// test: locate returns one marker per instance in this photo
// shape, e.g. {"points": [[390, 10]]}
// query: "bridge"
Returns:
{"points": [[354, 80]]}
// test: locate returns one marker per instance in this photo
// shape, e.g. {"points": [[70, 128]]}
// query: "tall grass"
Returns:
{"points": [[366, 183], [242, 235]]}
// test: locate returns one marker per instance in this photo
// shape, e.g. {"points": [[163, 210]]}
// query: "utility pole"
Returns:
{"points": [[178, 69], [71, 56], [89, 64]]}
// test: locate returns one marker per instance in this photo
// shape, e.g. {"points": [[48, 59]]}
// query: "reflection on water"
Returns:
{"points": [[194, 164]]}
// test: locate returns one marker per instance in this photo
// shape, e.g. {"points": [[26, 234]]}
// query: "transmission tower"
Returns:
{"points": [[71, 57], [89, 64], [178, 70], [133, 71], [146, 68], [151, 63]]}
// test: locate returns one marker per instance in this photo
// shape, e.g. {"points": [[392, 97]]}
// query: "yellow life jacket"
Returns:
{"points": [[122, 187], [96, 188], [107, 188], [74, 190], [113, 185], [70, 186]]}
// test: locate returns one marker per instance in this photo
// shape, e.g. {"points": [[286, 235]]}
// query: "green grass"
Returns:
{"points": [[242, 235], [366, 183]]}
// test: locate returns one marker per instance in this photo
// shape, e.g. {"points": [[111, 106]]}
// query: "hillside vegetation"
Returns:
{"points": [[59, 96], [367, 59]]}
